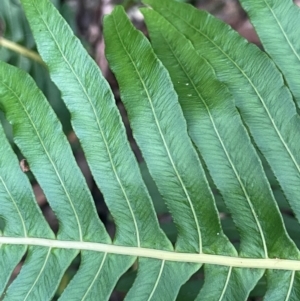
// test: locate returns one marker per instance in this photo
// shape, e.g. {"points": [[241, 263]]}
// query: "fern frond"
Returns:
{"points": [[181, 95]]}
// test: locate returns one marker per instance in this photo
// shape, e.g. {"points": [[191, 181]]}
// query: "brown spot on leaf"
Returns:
{"points": [[24, 165]]}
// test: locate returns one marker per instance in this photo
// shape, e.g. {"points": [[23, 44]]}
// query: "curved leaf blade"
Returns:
{"points": [[84, 84], [215, 127], [193, 86], [155, 116], [110, 158], [158, 114], [269, 18], [217, 131], [18, 209], [164, 279], [41, 140], [272, 125]]}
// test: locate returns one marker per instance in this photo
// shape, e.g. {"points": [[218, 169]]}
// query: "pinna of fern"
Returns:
{"points": [[17, 48], [197, 93]]}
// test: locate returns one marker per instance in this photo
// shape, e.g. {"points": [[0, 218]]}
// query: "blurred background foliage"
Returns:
{"points": [[17, 47]]}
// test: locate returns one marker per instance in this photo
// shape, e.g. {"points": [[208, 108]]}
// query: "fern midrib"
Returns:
{"points": [[50, 160], [99, 127], [164, 141], [229, 261], [226, 153]]}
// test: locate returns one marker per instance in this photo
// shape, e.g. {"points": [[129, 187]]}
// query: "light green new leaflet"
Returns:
{"points": [[16, 199], [216, 129], [38, 134], [95, 116], [279, 35], [266, 106], [160, 131]]}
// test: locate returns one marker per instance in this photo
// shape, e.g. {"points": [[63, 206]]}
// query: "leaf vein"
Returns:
{"points": [[157, 280], [39, 275], [50, 159], [282, 30], [164, 142], [95, 278], [98, 125], [254, 88], [15, 205], [226, 152]]}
